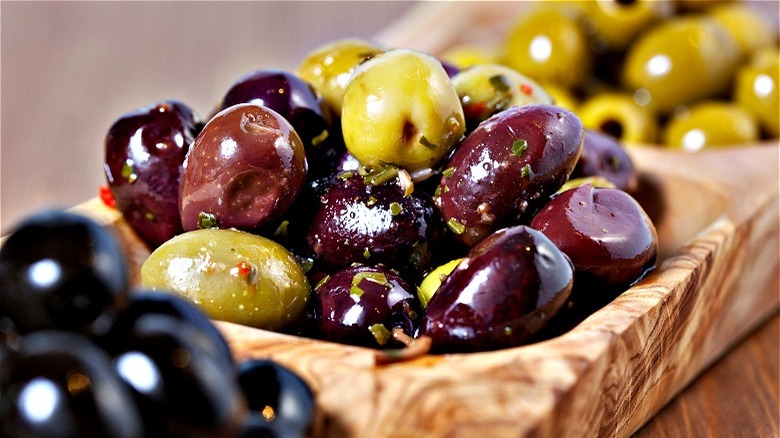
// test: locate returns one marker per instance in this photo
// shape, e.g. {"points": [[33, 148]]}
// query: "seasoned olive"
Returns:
{"points": [[233, 276], [603, 156], [710, 124], [507, 168], [244, 170], [615, 23], [504, 291], [623, 116]]}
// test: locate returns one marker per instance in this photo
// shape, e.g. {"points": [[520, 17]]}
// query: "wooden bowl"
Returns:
{"points": [[716, 213]]}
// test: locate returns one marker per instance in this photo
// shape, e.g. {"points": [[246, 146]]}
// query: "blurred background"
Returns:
{"points": [[70, 69]]}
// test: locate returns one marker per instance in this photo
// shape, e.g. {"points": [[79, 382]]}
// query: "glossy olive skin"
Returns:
{"points": [[358, 222], [144, 152], [603, 156], [506, 168], [619, 115], [711, 124], [605, 232], [245, 168], [295, 100], [232, 276], [59, 270], [59, 384], [361, 304], [757, 89], [504, 291]]}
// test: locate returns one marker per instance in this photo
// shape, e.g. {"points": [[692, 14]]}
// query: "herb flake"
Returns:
{"points": [[207, 220], [500, 83], [519, 146], [455, 226], [425, 142]]}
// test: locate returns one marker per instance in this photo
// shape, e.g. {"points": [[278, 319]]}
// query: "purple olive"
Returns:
{"points": [[361, 304], [359, 222], [507, 168], [504, 291], [144, 151], [602, 155], [244, 170]]}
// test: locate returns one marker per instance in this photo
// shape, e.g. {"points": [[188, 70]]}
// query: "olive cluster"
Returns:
{"points": [[686, 74], [316, 202], [82, 356]]}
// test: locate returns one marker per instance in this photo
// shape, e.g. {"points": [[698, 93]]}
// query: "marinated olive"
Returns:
{"points": [[747, 26], [504, 291], [359, 222], [490, 88], [328, 68], [757, 89], [562, 96], [615, 23], [401, 108], [232, 276], [244, 170], [708, 124], [465, 56], [433, 280], [144, 152], [507, 168], [602, 156], [361, 305], [623, 116]]}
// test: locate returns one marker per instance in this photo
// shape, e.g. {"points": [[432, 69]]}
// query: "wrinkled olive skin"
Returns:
{"points": [[491, 186], [503, 292], [356, 222], [246, 168], [603, 156], [605, 232], [232, 276], [144, 152], [351, 301]]}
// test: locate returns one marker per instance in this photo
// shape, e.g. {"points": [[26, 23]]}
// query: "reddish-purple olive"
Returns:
{"points": [[507, 168], [603, 156], [361, 305], [244, 170], [144, 151], [503, 292]]}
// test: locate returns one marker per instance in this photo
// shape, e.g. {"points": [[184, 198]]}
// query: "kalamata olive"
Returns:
{"points": [[504, 291], [232, 276], [361, 304], [506, 168], [144, 152], [244, 170], [293, 99], [359, 222], [603, 156], [59, 270], [605, 232], [59, 384]]}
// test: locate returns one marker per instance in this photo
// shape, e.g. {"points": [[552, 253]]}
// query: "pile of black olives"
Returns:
{"points": [[321, 202], [83, 356]]}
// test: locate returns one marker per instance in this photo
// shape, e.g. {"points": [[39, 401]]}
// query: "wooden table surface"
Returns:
{"points": [[70, 69]]}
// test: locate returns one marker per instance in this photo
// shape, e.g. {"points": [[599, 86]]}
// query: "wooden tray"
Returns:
{"points": [[717, 279]]}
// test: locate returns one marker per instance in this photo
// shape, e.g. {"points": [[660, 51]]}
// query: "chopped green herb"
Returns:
{"points": [[409, 190], [448, 172], [356, 291], [381, 333], [149, 216], [425, 142], [380, 175], [207, 220], [519, 146], [306, 264], [371, 201], [437, 192], [395, 208], [345, 175], [322, 136], [500, 83], [455, 226], [127, 168], [366, 253], [281, 230], [375, 277], [525, 171], [321, 282]]}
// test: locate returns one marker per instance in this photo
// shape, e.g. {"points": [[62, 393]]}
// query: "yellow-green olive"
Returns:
{"points": [[709, 124], [615, 23], [465, 56], [620, 116], [746, 25], [756, 89], [433, 280]]}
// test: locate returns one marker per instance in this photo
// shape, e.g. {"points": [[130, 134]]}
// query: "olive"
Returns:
{"points": [[503, 292], [548, 45], [751, 30], [562, 96], [756, 89], [59, 270], [710, 123], [244, 170], [487, 89], [232, 276], [681, 61], [615, 23], [355, 221], [465, 56], [59, 384], [622, 116], [507, 168], [329, 67], [361, 305], [603, 156], [144, 152], [430, 284]]}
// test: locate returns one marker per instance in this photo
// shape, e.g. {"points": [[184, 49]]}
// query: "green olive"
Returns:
{"points": [[465, 56], [747, 26], [709, 124], [756, 89], [548, 45], [620, 116], [329, 67], [562, 97], [232, 276], [681, 61], [433, 280], [615, 23]]}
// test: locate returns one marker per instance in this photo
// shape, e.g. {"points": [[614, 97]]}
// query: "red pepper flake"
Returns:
{"points": [[526, 89], [244, 269], [107, 197], [475, 110]]}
